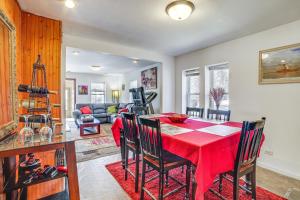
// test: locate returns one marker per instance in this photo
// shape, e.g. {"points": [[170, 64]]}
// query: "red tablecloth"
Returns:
{"points": [[212, 154]]}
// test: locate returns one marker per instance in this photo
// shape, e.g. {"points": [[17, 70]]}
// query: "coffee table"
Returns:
{"points": [[84, 125]]}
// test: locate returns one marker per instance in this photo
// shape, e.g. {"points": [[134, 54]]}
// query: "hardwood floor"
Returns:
{"points": [[95, 181]]}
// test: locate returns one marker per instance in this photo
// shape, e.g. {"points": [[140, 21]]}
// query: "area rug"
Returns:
{"points": [[93, 146], [118, 173]]}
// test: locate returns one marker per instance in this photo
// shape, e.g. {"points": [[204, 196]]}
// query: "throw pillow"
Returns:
{"points": [[111, 109], [86, 110], [123, 110]]}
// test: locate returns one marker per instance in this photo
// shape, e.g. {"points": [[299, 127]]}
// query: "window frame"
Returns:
{"points": [[188, 74], [95, 95], [211, 68]]}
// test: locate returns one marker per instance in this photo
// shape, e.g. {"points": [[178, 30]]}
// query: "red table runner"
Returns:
{"points": [[212, 154]]}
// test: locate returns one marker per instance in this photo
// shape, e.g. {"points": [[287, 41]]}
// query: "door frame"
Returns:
{"points": [[74, 81]]}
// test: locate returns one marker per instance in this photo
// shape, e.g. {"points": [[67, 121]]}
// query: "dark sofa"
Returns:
{"points": [[99, 111]]}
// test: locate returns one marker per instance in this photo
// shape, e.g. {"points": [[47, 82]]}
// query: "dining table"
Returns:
{"points": [[211, 146]]}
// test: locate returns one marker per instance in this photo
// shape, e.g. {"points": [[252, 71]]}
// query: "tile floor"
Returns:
{"points": [[96, 182]]}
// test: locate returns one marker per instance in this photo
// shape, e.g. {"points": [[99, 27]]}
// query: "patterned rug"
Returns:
{"points": [[94, 146], [118, 173]]}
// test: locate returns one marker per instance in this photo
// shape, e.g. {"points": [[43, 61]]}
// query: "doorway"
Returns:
{"points": [[70, 95]]}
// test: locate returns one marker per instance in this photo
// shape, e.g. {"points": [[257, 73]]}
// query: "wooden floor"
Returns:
{"points": [[95, 181]]}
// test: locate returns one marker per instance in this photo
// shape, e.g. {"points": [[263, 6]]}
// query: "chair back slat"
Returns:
{"points": [[150, 137], [194, 112], [140, 110], [223, 115], [130, 128], [250, 142]]}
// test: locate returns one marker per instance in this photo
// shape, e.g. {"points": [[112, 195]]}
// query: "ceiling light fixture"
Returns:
{"points": [[180, 9], [135, 61], [76, 53], [69, 3], [96, 67]]}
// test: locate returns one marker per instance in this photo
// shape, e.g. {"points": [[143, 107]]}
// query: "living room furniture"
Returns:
{"points": [[218, 114], [83, 125], [193, 142], [245, 162], [14, 186], [100, 111], [132, 143], [195, 112], [160, 160]]}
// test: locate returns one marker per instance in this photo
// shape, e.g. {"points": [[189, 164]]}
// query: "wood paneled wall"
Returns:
{"points": [[42, 36], [37, 35]]}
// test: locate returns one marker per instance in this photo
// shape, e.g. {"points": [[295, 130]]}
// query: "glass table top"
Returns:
{"points": [[17, 141]]}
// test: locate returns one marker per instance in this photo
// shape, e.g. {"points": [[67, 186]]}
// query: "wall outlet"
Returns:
{"points": [[269, 153]]}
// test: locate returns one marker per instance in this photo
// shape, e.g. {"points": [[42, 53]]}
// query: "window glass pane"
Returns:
{"points": [[193, 88], [219, 77], [194, 100], [194, 84], [133, 84], [98, 92]]}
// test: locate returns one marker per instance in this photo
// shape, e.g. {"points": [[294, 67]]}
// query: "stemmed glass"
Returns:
{"points": [[45, 132], [26, 132]]}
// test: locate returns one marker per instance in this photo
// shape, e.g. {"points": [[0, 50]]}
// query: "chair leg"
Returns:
{"points": [[143, 181], [235, 188], [137, 166], [253, 184], [188, 181], [122, 144], [220, 183], [126, 162], [167, 179], [161, 185], [182, 169]]}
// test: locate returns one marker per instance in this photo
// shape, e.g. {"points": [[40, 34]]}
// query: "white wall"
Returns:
{"points": [[111, 83], [168, 65], [279, 103], [136, 75]]}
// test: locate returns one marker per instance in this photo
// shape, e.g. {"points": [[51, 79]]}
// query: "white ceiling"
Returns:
{"points": [[110, 64], [144, 23]]}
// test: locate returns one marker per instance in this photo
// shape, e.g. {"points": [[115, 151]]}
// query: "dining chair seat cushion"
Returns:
{"points": [[170, 160]]}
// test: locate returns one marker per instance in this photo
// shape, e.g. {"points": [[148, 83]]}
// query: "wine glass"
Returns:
{"points": [[46, 132], [26, 132]]}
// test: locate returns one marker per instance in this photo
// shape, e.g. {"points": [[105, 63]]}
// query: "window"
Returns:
{"points": [[98, 92], [219, 77], [192, 88], [132, 84]]}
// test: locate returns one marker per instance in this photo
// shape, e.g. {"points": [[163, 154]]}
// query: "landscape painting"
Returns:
{"points": [[280, 65], [149, 78]]}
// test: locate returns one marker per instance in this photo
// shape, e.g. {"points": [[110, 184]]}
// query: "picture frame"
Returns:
{"points": [[83, 89], [149, 78], [9, 100], [280, 65]]}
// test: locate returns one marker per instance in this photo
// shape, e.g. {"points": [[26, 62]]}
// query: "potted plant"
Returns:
{"points": [[217, 95]]}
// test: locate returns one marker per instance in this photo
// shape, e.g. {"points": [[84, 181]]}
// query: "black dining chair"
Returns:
{"points": [[245, 161], [158, 159], [195, 112], [131, 143], [223, 115], [140, 110]]}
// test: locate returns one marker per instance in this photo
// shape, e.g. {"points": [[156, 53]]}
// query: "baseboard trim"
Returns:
{"points": [[277, 170]]}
